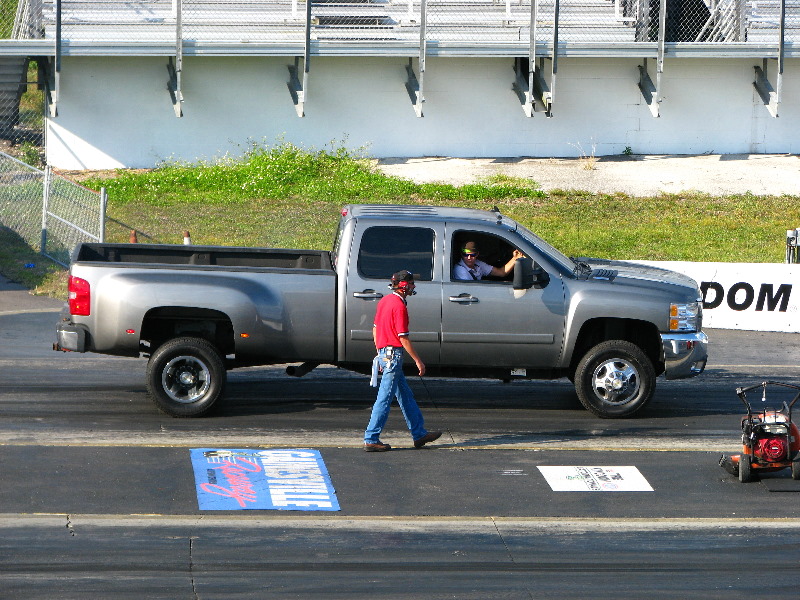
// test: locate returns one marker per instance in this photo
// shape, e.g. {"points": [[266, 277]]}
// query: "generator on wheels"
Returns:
{"points": [[770, 440]]}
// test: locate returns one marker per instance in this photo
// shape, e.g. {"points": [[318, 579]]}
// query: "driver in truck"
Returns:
{"points": [[470, 268]]}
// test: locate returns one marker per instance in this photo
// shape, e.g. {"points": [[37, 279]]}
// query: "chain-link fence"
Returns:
{"points": [[50, 213], [21, 101], [291, 27], [476, 22]]}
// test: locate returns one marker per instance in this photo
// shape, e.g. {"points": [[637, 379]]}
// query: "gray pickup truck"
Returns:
{"points": [[197, 311]]}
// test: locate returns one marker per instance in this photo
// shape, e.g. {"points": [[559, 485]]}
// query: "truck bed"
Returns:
{"points": [[221, 256]]}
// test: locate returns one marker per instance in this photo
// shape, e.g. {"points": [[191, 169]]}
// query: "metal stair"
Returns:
{"points": [[13, 76]]}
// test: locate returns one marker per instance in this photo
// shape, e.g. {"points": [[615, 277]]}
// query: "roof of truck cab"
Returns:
{"points": [[422, 213]]}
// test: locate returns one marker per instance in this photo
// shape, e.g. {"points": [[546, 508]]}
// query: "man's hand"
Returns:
{"points": [[420, 367], [409, 348]]}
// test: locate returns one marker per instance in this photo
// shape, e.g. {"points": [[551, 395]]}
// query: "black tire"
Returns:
{"points": [[615, 379], [745, 472], [186, 377], [796, 468]]}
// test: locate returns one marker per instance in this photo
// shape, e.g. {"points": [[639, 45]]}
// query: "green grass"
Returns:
{"points": [[8, 9], [20, 263], [286, 196]]}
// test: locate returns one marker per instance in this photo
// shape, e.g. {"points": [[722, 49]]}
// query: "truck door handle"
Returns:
{"points": [[367, 294], [464, 299]]}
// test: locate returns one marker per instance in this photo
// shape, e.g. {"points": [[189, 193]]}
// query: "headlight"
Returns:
{"points": [[685, 317]]}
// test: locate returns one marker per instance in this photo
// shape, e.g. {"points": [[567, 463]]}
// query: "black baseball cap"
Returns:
{"points": [[402, 276]]}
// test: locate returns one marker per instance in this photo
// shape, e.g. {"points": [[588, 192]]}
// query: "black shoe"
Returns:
{"points": [[431, 436], [379, 447]]}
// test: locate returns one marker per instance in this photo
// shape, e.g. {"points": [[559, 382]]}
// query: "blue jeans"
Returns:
{"points": [[393, 384]]}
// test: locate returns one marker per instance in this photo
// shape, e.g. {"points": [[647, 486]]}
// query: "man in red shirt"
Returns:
{"points": [[390, 334]]}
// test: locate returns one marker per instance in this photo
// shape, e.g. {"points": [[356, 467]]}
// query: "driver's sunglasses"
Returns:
{"points": [[469, 254]]}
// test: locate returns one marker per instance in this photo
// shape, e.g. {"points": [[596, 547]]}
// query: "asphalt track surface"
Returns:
{"points": [[98, 497]]}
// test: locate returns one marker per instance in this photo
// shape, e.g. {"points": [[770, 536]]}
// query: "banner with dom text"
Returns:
{"points": [[752, 296]]}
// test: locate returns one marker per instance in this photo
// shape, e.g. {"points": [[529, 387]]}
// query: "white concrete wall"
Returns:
{"points": [[116, 112]]}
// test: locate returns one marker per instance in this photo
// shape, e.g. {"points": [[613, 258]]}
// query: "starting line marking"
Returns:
{"points": [[595, 479], [262, 480]]}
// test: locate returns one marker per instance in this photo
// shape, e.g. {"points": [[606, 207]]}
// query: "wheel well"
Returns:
{"points": [[164, 323], [642, 333]]}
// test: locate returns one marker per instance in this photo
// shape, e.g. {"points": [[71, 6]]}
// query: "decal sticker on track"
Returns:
{"points": [[262, 480], [595, 479]]}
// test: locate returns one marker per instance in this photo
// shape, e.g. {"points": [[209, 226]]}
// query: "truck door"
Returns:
{"points": [[485, 323], [377, 252]]}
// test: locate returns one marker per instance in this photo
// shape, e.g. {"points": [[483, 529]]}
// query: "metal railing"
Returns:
{"points": [[531, 31], [27, 20], [49, 212], [476, 23]]}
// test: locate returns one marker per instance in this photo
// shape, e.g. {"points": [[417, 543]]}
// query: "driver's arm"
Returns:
{"points": [[507, 268]]}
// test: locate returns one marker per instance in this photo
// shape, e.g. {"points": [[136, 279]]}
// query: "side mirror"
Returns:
{"points": [[523, 273], [527, 275]]}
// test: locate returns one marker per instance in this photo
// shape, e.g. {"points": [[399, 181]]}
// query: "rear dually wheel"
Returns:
{"points": [[186, 377]]}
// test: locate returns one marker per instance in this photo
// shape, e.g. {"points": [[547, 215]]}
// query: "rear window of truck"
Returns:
{"points": [[386, 250]]}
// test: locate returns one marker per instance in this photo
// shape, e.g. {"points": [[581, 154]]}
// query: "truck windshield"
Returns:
{"points": [[560, 259]]}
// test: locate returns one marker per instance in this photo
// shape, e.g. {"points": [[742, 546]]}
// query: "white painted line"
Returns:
{"points": [[4, 313], [335, 521]]}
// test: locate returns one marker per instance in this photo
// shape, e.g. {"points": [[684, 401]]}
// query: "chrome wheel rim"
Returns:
{"points": [[615, 381], [185, 379]]}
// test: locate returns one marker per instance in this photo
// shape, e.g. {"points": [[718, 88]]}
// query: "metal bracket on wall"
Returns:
{"points": [[522, 87], [652, 93], [771, 97], [649, 91], [531, 88], [53, 75], [533, 91], [297, 89], [174, 86], [175, 69], [50, 76], [414, 87]]}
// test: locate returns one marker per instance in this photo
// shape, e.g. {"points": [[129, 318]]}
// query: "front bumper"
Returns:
{"points": [[685, 354]]}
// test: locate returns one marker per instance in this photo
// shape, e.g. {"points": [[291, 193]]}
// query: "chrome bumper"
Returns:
{"points": [[685, 354], [70, 338]]}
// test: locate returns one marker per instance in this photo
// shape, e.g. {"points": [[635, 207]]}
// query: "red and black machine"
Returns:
{"points": [[770, 441]]}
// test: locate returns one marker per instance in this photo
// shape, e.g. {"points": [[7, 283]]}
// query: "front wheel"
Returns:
{"points": [[615, 379], [185, 377]]}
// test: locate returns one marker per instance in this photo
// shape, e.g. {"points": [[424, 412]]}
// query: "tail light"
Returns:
{"points": [[80, 296]]}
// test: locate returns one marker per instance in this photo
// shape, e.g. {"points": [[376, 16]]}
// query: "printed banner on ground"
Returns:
{"points": [[262, 480], [595, 479]]}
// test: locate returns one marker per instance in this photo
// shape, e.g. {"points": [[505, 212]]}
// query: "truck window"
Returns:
{"points": [[386, 250]]}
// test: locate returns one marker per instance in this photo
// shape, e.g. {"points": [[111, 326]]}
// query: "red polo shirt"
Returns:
{"points": [[391, 321]]}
